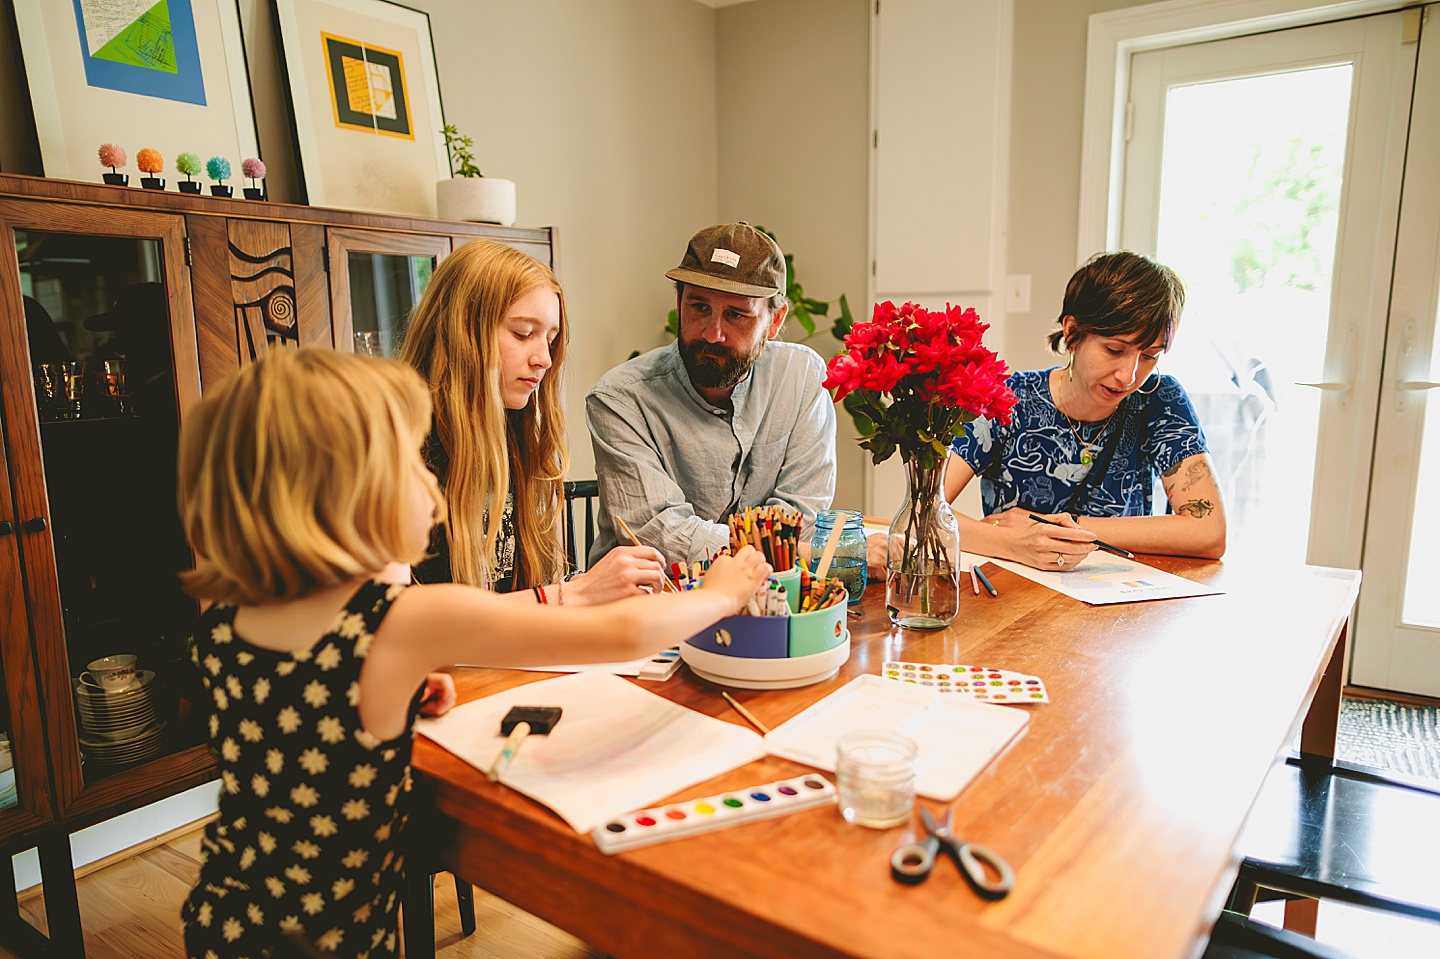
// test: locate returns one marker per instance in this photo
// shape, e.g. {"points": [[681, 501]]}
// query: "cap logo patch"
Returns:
{"points": [[726, 257]]}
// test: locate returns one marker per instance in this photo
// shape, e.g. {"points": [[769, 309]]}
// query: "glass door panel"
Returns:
{"points": [[98, 328], [384, 288], [376, 278], [1250, 219], [1265, 170]]}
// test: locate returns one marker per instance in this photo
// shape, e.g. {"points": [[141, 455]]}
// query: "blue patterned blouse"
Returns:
{"points": [[1036, 462]]}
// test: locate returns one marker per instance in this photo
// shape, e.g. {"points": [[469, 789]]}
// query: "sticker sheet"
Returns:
{"points": [[979, 683]]}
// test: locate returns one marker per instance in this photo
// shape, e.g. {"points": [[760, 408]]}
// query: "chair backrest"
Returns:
{"points": [[589, 491]]}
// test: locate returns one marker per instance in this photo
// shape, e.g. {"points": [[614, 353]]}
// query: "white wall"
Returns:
{"points": [[603, 112], [1047, 104], [793, 144]]}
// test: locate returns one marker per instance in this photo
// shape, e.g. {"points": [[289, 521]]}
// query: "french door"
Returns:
{"points": [[1268, 171], [1398, 626]]}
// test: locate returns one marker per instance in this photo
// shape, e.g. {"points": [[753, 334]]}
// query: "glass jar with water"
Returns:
{"points": [[850, 559]]}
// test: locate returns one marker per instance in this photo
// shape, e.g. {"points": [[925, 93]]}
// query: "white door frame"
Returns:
{"points": [[1114, 36]]}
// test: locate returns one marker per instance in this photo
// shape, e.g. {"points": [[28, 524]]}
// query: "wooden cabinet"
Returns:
{"points": [[118, 308]]}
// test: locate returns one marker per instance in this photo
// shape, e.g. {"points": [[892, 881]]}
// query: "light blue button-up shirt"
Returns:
{"points": [[673, 466]]}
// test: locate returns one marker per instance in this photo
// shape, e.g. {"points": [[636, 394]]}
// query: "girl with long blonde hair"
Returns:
{"points": [[490, 336]]}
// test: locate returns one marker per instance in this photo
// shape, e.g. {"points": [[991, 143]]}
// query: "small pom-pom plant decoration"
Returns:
{"points": [[188, 164], [149, 160], [253, 169], [152, 164], [218, 169], [113, 156]]}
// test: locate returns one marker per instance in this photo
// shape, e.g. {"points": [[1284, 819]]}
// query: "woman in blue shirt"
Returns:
{"points": [[1087, 440]]}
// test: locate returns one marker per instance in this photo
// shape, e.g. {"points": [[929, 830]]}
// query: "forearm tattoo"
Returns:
{"points": [[1197, 508]]}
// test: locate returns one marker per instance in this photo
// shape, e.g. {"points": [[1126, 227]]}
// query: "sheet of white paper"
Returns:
{"points": [[1102, 578], [956, 738], [660, 666], [616, 747]]}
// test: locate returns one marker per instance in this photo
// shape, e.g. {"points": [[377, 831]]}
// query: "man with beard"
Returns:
{"points": [[724, 418]]}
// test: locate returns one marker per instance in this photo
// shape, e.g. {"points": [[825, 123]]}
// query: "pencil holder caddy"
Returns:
{"points": [[770, 652]]}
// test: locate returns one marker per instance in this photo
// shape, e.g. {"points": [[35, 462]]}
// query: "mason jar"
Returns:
{"points": [[850, 562]]}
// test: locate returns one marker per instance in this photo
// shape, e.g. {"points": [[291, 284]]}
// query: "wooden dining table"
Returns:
{"points": [[1119, 806]]}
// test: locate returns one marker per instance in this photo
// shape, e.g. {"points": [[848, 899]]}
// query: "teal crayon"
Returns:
{"points": [[1099, 544]]}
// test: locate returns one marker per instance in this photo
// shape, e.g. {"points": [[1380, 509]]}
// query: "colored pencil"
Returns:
{"points": [[1099, 544], [988, 588], [974, 582]]}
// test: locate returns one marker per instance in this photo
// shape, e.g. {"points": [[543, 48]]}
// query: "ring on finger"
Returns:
{"points": [[1060, 559]]}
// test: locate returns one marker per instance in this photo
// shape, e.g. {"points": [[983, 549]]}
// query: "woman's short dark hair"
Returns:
{"points": [[1122, 294]]}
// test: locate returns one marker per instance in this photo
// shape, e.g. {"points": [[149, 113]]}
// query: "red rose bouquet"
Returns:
{"points": [[909, 378]]}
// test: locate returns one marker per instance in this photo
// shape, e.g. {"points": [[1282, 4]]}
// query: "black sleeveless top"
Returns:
{"points": [[312, 806]]}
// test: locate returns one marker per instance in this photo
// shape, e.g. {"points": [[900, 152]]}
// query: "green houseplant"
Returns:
{"points": [[470, 194]]}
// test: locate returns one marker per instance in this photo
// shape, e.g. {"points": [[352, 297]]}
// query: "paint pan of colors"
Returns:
{"points": [[692, 817]]}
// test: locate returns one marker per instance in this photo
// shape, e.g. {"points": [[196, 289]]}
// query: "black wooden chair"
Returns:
{"points": [[1343, 833], [1236, 937], [589, 492]]}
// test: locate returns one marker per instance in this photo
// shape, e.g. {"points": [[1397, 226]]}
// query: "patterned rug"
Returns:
{"points": [[1390, 735]]}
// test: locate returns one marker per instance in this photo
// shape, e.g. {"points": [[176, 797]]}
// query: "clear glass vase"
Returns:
{"points": [[922, 578]]}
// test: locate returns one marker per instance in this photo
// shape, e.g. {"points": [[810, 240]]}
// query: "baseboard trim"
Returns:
{"points": [[1408, 699], [31, 892]]}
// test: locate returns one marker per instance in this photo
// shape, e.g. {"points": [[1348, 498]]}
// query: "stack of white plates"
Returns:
{"points": [[119, 726]]}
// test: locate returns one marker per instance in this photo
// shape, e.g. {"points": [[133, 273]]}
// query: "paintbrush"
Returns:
{"points": [[664, 580]]}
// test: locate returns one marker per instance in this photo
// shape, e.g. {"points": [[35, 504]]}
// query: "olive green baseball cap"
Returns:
{"points": [[732, 258]]}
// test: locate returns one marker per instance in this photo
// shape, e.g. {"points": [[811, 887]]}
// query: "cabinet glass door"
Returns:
{"points": [[99, 333], [376, 279], [109, 363]]}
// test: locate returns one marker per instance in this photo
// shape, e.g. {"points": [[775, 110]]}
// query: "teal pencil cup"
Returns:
{"points": [[817, 631], [790, 579]]}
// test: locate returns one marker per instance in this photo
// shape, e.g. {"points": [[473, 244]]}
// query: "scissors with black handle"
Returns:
{"points": [[912, 863]]}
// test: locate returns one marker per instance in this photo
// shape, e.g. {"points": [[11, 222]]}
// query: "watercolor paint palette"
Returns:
{"points": [[661, 666], [692, 817], [979, 683]]}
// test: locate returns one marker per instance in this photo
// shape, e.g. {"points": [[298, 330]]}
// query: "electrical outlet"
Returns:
{"points": [[1017, 293]]}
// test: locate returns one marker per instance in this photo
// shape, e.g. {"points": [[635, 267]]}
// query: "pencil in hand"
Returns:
{"points": [[665, 583], [1099, 544]]}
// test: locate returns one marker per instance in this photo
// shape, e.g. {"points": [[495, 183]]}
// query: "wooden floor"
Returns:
{"points": [[132, 909]]}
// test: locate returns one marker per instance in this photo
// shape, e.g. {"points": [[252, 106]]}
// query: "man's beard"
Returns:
{"points": [[715, 367]]}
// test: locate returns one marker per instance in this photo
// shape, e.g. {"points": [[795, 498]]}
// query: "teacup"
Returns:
{"points": [[110, 673]]}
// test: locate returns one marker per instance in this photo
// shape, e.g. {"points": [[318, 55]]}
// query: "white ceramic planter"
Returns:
{"points": [[484, 199]]}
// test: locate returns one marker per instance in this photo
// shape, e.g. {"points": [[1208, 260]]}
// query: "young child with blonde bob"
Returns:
{"points": [[301, 480]]}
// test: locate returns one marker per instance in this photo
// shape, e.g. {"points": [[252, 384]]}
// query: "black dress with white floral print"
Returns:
{"points": [[312, 806]]}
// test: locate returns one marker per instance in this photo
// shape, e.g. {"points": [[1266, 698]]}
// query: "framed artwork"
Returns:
{"points": [[366, 102], [170, 76]]}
